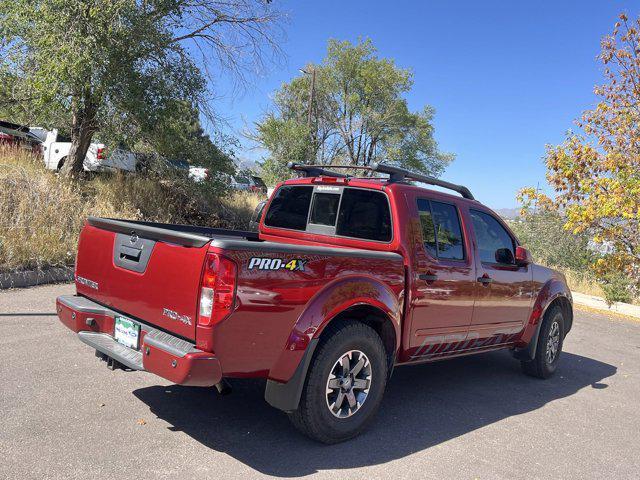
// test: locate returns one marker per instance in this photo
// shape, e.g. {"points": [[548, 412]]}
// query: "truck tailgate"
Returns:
{"points": [[155, 279]]}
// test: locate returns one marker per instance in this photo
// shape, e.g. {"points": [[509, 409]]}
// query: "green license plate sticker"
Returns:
{"points": [[127, 332]]}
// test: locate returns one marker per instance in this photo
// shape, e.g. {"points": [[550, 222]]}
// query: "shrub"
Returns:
{"points": [[616, 288]]}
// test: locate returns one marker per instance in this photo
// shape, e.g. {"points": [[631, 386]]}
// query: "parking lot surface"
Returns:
{"points": [[65, 415]]}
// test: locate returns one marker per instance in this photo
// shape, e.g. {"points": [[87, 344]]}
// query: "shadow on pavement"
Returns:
{"points": [[423, 406]]}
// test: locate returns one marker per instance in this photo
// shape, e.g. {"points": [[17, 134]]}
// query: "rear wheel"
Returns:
{"points": [[344, 385], [549, 346]]}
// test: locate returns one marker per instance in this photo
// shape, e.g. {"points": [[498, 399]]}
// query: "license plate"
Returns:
{"points": [[127, 332]]}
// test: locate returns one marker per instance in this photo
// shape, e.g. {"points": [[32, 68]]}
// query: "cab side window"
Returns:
{"points": [[495, 245], [441, 231]]}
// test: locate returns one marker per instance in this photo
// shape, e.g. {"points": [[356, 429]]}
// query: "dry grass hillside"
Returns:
{"points": [[41, 213]]}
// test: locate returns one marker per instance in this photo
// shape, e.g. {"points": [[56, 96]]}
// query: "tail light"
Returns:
{"points": [[217, 289], [101, 154]]}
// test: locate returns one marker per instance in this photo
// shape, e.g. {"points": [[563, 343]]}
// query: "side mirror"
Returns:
{"points": [[257, 214], [523, 257], [504, 256]]}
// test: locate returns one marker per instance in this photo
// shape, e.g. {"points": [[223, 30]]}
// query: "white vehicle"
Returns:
{"points": [[198, 174], [245, 182], [55, 150]]}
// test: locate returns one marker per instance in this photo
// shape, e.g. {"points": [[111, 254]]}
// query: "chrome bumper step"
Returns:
{"points": [[107, 344]]}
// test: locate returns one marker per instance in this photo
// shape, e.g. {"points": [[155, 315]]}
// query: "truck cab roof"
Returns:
{"points": [[375, 183], [333, 208]]}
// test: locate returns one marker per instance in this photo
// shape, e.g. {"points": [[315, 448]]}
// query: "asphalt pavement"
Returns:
{"points": [[65, 415]]}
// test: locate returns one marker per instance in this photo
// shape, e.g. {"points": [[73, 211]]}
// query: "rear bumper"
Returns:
{"points": [[161, 353]]}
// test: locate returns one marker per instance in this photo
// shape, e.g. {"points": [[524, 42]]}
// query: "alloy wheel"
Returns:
{"points": [[348, 384], [553, 342]]}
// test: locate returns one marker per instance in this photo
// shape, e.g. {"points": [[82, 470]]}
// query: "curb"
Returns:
{"points": [[599, 303], [30, 278]]}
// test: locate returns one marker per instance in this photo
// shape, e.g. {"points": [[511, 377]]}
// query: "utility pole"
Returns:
{"points": [[312, 93]]}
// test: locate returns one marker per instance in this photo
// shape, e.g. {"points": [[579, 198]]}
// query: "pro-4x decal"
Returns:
{"points": [[267, 263]]}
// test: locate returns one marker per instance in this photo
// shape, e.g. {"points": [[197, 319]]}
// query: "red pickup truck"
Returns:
{"points": [[347, 278]]}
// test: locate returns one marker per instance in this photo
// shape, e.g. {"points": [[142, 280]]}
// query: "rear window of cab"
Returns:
{"points": [[331, 210]]}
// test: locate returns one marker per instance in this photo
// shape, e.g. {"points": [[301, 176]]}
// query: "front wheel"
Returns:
{"points": [[549, 346], [344, 385]]}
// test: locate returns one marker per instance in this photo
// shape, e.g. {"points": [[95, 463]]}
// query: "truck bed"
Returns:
{"points": [[152, 272]]}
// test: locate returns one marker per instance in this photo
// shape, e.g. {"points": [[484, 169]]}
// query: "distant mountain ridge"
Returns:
{"points": [[508, 213]]}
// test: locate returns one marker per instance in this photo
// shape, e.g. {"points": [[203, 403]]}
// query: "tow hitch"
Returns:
{"points": [[223, 387], [112, 364]]}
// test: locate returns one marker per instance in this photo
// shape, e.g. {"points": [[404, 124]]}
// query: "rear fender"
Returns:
{"points": [[333, 299], [287, 376]]}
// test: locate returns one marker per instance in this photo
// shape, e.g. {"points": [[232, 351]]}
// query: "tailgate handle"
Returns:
{"points": [[130, 253]]}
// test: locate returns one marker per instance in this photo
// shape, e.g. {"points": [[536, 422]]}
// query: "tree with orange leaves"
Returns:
{"points": [[596, 173]]}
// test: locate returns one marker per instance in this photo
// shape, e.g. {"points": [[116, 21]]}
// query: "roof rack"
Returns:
{"points": [[318, 170], [396, 174]]}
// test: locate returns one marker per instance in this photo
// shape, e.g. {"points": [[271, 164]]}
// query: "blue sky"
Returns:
{"points": [[505, 78]]}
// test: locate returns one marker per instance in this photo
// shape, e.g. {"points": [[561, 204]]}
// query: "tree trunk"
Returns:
{"points": [[82, 130]]}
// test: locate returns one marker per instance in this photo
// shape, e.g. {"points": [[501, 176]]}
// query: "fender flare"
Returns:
{"points": [[287, 377], [549, 293]]}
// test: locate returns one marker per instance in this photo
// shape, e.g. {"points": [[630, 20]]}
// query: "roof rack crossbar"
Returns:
{"points": [[315, 170], [396, 174]]}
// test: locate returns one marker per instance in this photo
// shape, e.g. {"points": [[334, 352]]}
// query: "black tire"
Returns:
{"points": [[314, 415], [553, 326]]}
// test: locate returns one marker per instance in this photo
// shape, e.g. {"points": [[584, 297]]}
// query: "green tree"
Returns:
{"points": [[543, 233], [122, 64], [178, 135], [350, 110]]}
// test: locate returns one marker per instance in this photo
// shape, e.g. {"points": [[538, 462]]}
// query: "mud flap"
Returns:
{"points": [[529, 352], [286, 396]]}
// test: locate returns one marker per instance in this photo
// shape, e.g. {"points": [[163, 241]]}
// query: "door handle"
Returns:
{"points": [[428, 277], [485, 280]]}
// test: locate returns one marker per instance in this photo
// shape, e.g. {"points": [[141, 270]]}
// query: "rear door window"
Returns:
{"points": [[441, 230], [428, 228]]}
